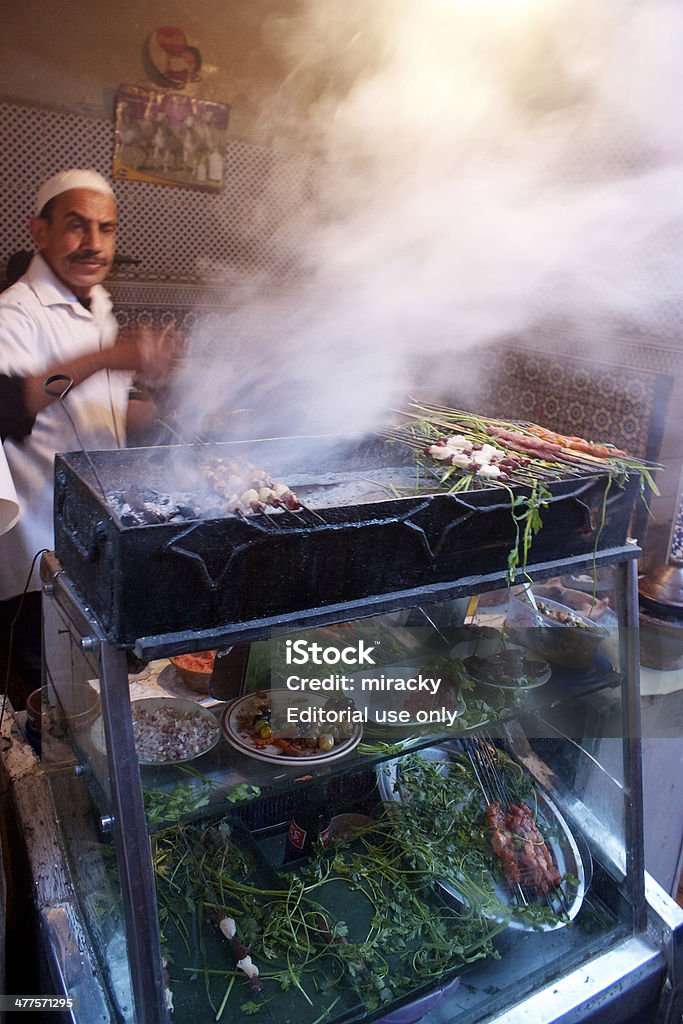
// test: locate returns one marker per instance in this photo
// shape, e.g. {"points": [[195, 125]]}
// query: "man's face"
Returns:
{"points": [[79, 239]]}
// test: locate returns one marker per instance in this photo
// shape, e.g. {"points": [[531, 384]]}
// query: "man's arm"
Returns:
{"points": [[23, 394], [140, 356], [22, 398]]}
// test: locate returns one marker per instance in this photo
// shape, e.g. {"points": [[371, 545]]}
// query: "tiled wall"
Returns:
{"points": [[676, 549], [573, 396], [174, 233], [635, 359], [634, 400]]}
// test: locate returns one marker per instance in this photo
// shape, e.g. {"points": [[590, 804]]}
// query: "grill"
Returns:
{"points": [[355, 540]]}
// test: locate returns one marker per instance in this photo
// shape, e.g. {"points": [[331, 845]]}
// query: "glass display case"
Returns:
{"points": [[426, 804]]}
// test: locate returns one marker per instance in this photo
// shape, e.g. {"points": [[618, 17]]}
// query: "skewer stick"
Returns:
{"points": [[493, 787], [560, 469], [521, 474], [312, 511], [190, 433], [243, 515], [182, 440]]}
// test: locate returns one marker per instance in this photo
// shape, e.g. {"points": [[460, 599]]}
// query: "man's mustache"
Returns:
{"points": [[87, 257]]}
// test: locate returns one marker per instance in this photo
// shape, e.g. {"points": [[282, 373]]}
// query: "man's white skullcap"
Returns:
{"points": [[66, 180]]}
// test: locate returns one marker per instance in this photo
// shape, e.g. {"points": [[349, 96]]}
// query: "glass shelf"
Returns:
{"points": [[124, 826]]}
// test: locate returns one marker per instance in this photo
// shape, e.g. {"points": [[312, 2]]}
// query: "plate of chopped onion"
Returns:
{"points": [[167, 730]]}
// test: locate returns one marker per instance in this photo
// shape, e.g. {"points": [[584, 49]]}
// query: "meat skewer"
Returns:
{"points": [[569, 442], [245, 488], [579, 444], [502, 842], [539, 448], [244, 963], [530, 440], [516, 840], [518, 843], [535, 857], [242, 486]]}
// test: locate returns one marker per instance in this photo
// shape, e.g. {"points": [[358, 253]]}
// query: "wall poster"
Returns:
{"points": [[169, 139]]}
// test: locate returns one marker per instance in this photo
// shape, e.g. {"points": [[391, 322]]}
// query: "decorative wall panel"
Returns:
{"points": [[676, 550], [595, 400], [173, 232]]}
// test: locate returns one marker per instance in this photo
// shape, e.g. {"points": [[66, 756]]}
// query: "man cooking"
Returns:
{"points": [[57, 320]]}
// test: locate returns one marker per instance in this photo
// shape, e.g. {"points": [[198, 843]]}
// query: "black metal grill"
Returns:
{"points": [[223, 573]]}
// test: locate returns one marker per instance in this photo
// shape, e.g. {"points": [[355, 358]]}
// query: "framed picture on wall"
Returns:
{"points": [[170, 139]]}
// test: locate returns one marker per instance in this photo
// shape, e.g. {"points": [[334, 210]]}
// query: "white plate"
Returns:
{"points": [[180, 707], [241, 740], [556, 832], [565, 851]]}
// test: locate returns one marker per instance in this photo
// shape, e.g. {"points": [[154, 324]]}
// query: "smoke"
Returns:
{"points": [[480, 166]]}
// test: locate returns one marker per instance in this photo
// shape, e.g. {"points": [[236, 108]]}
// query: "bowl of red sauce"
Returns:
{"points": [[195, 669]]}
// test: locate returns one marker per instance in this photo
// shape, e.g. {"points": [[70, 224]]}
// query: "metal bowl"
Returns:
{"points": [[555, 631]]}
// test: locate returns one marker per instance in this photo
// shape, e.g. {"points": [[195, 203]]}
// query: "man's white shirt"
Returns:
{"points": [[43, 324]]}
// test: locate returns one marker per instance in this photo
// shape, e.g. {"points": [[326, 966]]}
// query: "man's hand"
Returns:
{"points": [[152, 355], [160, 353]]}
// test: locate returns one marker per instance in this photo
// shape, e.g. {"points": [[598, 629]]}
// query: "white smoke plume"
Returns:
{"points": [[480, 166]]}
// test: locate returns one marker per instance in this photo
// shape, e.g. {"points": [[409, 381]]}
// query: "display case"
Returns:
{"points": [[413, 790], [414, 901]]}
